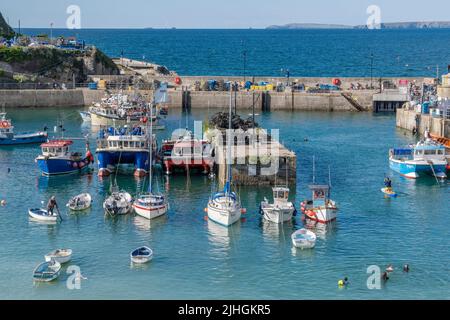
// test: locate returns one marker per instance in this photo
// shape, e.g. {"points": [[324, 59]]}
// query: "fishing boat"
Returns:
{"points": [[304, 239], [43, 215], [86, 116], [56, 158], [320, 208], [151, 205], [141, 255], [186, 153], [47, 271], [281, 210], [225, 207], [118, 203], [8, 137], [80, 202], [59, 255], [425, 158], [125, 146]]}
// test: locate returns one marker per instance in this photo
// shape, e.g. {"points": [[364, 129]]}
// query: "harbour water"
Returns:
{"points": [[196, 259]]}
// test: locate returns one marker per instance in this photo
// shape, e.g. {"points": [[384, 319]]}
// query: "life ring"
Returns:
{"points": [[5, 124], [311, 214]]}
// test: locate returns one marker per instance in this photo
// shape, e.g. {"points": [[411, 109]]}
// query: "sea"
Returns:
{"points": [[197, 259]]}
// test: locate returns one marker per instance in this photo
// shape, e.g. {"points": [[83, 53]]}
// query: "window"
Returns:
{"points": [[430, 152]]}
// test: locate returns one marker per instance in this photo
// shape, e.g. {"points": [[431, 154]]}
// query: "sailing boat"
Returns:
{"points": [[151, 205], [225, 207]]}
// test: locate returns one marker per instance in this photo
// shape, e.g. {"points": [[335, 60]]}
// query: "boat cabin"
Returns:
{"points": [[127, 142], [320, 195], [429, 151], [56, 148], [6, 128], [280, 195]]}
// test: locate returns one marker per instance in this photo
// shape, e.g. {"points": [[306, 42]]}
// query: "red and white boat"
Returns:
{"points": [[186, 153], [320, 208]]}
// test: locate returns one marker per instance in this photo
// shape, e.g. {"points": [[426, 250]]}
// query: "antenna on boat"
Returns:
{"points": [[314, 169]]}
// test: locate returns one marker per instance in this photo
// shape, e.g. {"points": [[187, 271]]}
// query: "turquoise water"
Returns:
{"points": [[196, 259], [312, 53]]}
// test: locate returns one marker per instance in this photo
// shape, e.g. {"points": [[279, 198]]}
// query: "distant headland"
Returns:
{"points": [[389, 25]]}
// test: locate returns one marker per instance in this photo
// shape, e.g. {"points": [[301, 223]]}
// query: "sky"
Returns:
{"points": [[218, 14]]}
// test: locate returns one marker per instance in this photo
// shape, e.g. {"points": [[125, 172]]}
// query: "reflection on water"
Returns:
{"points": [[323, 231], [277, 231], [223, 238], [145, 225]]}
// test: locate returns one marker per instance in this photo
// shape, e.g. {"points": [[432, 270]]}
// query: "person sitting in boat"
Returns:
{"points": [[388, 183], [51, 205]]}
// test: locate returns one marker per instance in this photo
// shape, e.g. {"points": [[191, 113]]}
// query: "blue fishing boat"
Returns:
{"points": [[56, 159], [425, 158], [7, 136], [124, 146]]}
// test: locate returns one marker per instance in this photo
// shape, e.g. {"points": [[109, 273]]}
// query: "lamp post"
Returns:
{"points": [[371, 71], [288, 75]]}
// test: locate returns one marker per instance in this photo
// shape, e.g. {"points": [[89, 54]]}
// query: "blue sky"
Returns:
{"points": [[217, 13]]}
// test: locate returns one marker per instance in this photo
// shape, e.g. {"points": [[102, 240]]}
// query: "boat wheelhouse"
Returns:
{"points": [[57, 159], [8, 137], [124, 146], [186, 153], [425, 158]]}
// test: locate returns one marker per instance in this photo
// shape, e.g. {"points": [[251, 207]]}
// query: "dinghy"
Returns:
{"points": [[80, 202], [43, 215], [59, 255], [47, 271], [141, 255], [119, 203], [304, 239], [389, 193]]}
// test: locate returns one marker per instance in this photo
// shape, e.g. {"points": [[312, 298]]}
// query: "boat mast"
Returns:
{"points": [[151, 148], [314, 170], [229, 143]]}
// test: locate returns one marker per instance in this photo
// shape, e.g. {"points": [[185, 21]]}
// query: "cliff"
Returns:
{"points": [[35, 63], [5, 30]]}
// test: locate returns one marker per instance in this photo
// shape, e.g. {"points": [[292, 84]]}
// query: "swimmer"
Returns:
{"points": [[406, 268], [390, 269], [3, 203], [343, 283], [385, 277]]}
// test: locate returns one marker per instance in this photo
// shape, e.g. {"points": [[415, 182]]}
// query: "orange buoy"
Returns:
{"points": [[205, 218], [178, 80], [243, 211], [205, 210]]}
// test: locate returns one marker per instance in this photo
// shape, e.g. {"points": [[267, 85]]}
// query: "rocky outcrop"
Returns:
{"points": [[35, 63], [5, 30]]}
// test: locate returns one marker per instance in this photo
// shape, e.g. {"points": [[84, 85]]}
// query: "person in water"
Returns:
{"points": [[343, 283], [51, 205], [388, 183], [385, 276], [406, 268]]}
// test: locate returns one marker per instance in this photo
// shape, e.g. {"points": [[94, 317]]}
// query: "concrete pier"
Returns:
{"points": [[410, 119]]}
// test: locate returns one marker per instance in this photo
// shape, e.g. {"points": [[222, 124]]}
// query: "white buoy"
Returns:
{"points": [[3, 202]]}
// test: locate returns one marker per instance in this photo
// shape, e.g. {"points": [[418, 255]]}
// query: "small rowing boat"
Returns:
{"points": [[43, 215], [59, 255], [80, 202], [141, 255], [119, 203], [304, 239], [47, 271]]}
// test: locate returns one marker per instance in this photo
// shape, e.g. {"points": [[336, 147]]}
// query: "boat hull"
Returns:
{"points": [[320, 214], [24, 139], [150, 212], [46, 275], [51, 166], [278, 215], [108, 160], [223, 217], [97, 120], [42, 215], [417, 169], [60, 259]]}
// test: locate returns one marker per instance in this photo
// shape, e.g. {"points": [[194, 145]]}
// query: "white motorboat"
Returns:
{"points": [[141, 255], [47, 271], [80, 202], [60, 255], [304, 239], [281, 210], [43, 215]]}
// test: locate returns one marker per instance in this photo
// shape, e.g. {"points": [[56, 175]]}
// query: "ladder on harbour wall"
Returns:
{"points": [[265, 96], [353, 102], [186, 99]]}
